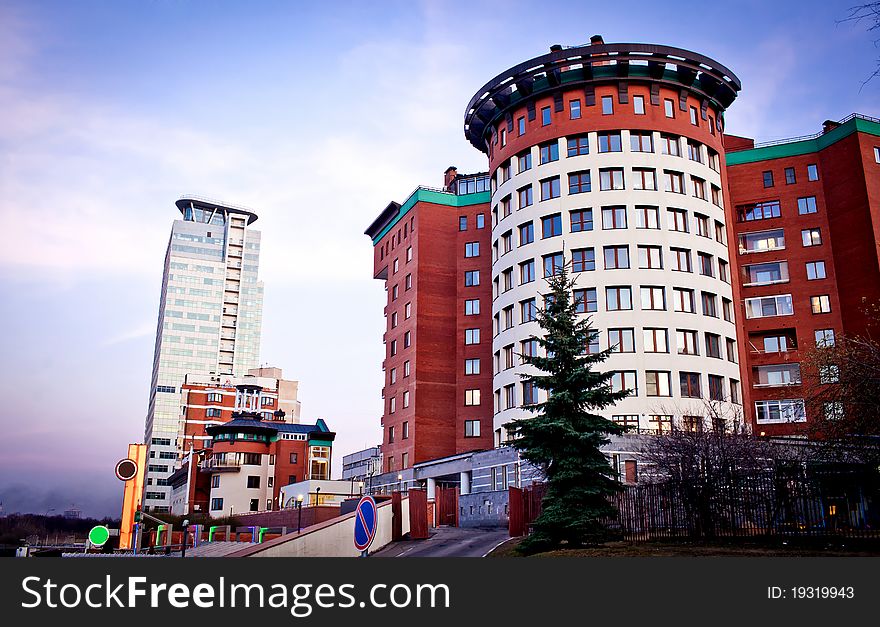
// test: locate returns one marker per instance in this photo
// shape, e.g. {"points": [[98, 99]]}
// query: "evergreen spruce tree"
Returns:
{"points": [[564, 437]]}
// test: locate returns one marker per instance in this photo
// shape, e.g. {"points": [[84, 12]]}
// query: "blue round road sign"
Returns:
{"points": [[365, 522]]}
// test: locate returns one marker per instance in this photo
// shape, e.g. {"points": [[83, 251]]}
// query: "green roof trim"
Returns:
{"points": [[423, 194], [806, 146], [321, 442]]}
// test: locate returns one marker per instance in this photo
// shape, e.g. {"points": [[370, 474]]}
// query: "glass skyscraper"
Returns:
{"points": [[210, 315]]}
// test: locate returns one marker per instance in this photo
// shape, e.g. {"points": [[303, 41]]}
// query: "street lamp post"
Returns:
{"points": [[299, 504], [185, 533], [317, 495]]}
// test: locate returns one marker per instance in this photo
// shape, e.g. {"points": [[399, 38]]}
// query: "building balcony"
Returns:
{"points": [[771, 357], [220, 465]]}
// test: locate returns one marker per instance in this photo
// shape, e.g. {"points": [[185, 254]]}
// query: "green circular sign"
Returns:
{"points": [[99, 535]]}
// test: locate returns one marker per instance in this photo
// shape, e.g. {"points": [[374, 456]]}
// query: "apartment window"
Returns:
{"points": [[655, 340], [807, 205], [472, 249], [716, 387], [645, 179], [527, 271], [641, 141], [528, 310], [525, 196], [509, 396], [407, 339], [625, 380], [609, 141], [674, 181], [583, 260], [731, 349], [579, 182], [790, 178], [545, 116], [669, 108], [639, 105], [719, 232], [759, 211], [216, 504], [669, 145], [213, 412], [622, 340], [574, 109], [607, 105], [526, 233], [765, 273], [653, 298], [713, 345], [471, 336], [409, 253], [508, 357], [521, 126], [471, 428], [647, 218], [649, 258], [616, 257], [722, 271], [404, 430], [702, 224], [507, 279], [710, 304], [812, 172], [761, 241], [507, 312], [824, 337], [579, 145], [767, 306], [525, 161], [395, 266], [462, 223], [294, 459], [683, 300], [471, 397], [707, 268], [815, 270], [529, 393], [581, 220], [690, 384], [215, 397], [552, 264], [471, 278], [407, 311], [505, 207], [253, 482], [693, 111], [392, 376], [610, 179], [551, 225], [714, 161], [472, 366], [767, 176], [678, 220], [811, 237], [585, 300], [735, 396], [681, 259], [503, 137], [392, 405], [699, 186], [695, 151], [773, 411], [877, 154], [686, 341], [407, 282], [613, 218], [550, 188], [658, 383], [618, 298], [472, 307], [549, 152], [820, 304], [215, 481], [406, 368]]}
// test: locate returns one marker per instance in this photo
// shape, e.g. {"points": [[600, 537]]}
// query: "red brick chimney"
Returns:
{"points": [[449, 176]]}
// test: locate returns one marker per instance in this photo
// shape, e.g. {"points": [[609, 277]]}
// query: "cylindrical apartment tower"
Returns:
{"points": [[610, 156]]}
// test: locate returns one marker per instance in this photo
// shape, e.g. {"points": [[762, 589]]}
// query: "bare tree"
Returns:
{"points": [[870, 13], [841, 386]]}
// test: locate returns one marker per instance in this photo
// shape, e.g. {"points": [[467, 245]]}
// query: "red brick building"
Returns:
{"points": [[806, 217], [432, 252]]}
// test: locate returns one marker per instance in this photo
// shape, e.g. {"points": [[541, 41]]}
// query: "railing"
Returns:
{"points": [[792, 140], [213, 463]]}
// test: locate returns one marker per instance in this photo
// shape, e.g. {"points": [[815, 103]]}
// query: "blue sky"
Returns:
{"points": [[317, 114]]}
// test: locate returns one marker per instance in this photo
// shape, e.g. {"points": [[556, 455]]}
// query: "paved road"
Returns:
{"points": [[448, 542]]}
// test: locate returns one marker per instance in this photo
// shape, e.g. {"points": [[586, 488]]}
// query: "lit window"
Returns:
{"points": [[811, 237], [820, 304]]}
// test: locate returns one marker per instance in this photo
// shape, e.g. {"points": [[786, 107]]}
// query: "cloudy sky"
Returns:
{"points": [[316, 113]]}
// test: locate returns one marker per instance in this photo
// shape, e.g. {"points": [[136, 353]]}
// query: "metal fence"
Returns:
{"points": [[773, 504]]}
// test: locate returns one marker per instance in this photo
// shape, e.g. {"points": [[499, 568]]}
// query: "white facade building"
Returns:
{"points": [[210, 317], [651, 264]]}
